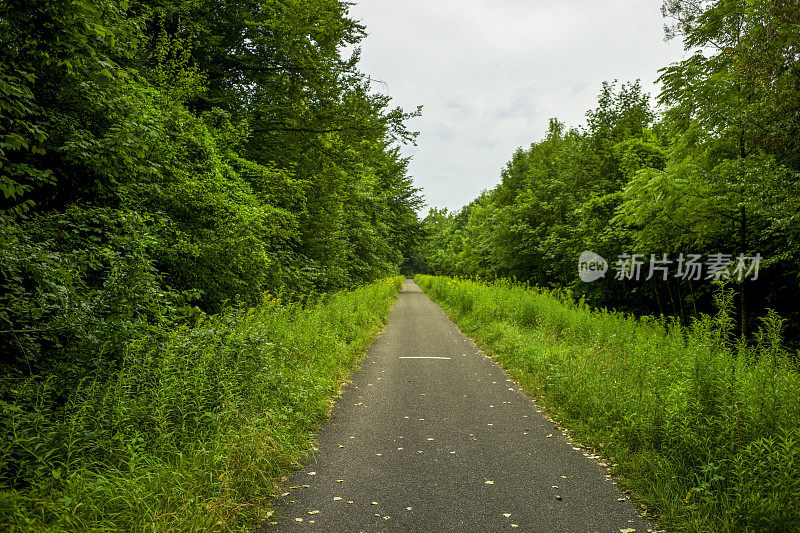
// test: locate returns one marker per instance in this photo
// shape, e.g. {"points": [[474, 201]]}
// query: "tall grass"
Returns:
{"points": [[195, 430], [705, 429]]}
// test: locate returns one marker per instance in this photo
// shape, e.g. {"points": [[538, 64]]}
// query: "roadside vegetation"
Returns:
{"points": [[195, 429], [705, 429], [165, 167]]}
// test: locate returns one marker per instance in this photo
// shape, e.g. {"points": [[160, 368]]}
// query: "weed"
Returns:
{"points": [[195, 430], [704, 428]]}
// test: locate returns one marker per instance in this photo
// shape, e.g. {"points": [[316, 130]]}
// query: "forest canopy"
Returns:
{"points": [[159, 159], [713, 168]]}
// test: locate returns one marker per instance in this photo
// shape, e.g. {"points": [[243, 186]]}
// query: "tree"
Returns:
{"points": [[736, 99], [215, 151]]}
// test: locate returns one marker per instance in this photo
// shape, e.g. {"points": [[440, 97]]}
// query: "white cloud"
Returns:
{"points": [[490, 74]]}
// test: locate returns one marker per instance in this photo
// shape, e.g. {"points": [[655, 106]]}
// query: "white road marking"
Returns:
{"points": [[424, 357]]}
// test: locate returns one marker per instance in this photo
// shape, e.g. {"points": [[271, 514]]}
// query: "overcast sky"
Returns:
{"points": [[490, 73]]}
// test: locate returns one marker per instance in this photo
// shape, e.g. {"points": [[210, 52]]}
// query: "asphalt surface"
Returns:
{"points": [[431, 435]]}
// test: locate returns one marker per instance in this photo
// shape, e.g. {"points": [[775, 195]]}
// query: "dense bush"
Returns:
{"points": [[194, 430]]}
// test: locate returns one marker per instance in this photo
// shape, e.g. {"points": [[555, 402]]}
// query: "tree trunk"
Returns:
{"points": [[742, 251]]}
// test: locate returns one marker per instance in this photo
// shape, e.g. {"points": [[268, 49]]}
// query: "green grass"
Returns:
{"points": [[195, 431], [704, 430]]}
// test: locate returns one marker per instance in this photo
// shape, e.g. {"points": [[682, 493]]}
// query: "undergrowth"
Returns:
{"points": [[194, 431], [704, 428]]}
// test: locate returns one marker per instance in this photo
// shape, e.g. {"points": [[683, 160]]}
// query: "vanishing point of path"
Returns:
{"points": [[432, 436]]}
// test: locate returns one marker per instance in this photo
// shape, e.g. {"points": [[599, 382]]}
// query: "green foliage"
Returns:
{"points": [[196, 428], [715, 172], [555, 199], [703, 428], [160, 163], [212, 155]]}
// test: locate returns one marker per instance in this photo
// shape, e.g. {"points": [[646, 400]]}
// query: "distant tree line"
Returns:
{"points": [[716, 170]]}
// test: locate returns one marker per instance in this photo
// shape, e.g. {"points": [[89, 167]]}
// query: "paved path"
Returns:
{"points": [[432, 436]]}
